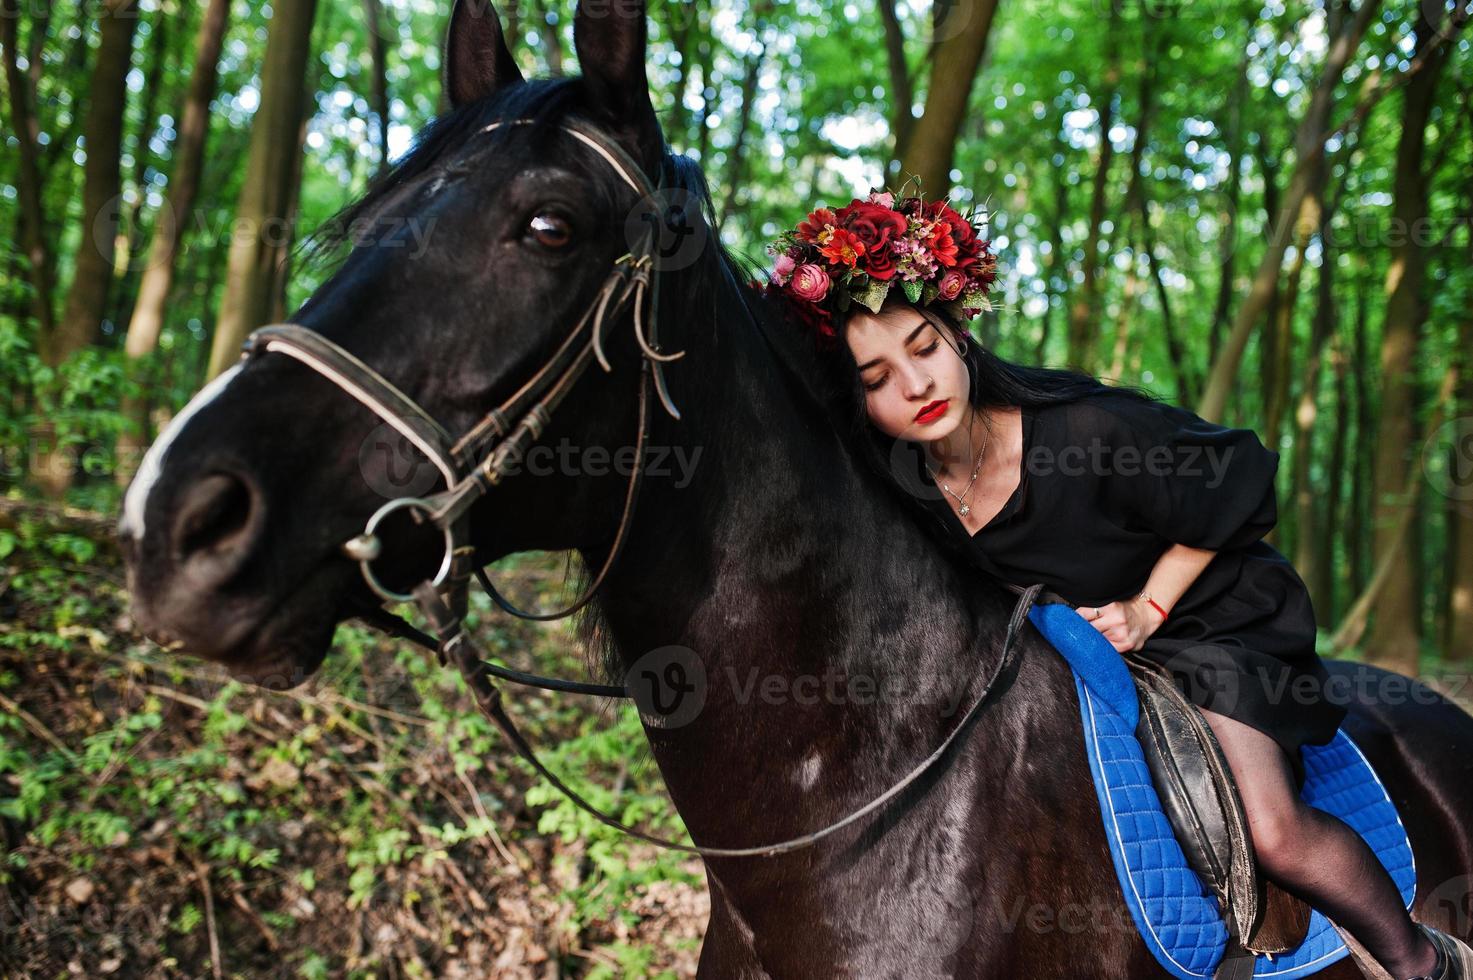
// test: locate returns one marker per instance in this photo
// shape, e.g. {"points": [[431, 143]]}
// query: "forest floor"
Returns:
{"points": [[161, 820]]}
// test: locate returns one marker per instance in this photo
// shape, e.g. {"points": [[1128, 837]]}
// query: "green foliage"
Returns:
{"points": [[617, 872]]}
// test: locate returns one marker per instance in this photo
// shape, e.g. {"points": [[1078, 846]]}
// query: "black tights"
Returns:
{"points": [[1317, 857]]}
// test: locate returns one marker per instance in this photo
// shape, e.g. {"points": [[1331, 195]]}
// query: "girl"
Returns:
{"points": [[1148, 518]]}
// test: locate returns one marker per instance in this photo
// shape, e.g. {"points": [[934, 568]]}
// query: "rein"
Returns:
{"points": [[471, 465]]}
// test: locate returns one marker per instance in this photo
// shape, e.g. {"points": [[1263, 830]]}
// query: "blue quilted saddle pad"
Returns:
{"points": [[1176, 914]]}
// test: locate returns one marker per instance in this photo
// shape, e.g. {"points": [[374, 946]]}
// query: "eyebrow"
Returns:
{"points": [[913, 334]]}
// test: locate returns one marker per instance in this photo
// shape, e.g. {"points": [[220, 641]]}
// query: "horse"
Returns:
{"points": [[835, 633]]}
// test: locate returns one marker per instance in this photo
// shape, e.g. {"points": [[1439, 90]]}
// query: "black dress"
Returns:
{"points": [[1108, 483]]}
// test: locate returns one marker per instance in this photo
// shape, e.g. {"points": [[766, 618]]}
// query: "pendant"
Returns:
{"points": [[966, 509]]}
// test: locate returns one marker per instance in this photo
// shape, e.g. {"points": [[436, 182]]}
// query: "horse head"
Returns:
{"points": [[467, 265]]}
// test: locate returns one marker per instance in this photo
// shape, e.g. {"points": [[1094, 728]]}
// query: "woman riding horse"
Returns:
{"points": [[1146, 517]]}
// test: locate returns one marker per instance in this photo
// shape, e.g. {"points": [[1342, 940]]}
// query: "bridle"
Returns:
{"points": [[477, 461]]}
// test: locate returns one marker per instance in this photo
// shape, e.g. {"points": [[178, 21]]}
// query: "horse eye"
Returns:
{"points": [[550, 230]]}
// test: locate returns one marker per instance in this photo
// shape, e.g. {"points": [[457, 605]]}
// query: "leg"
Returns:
{"points": [[1317, 857]]}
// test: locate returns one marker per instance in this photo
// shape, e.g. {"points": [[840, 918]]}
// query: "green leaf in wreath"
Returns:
{"points": [[977, 300], [929, 293], [873, 295], [912, 289]]}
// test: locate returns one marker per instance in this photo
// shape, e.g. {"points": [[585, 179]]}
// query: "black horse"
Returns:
{"points": [[837, 633]]}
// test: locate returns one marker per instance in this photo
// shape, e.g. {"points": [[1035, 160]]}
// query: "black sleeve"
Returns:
{"points": [[1191, 481]]}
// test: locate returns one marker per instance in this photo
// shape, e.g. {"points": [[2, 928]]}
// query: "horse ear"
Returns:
{"points": [[610, 37], [477, 61]]}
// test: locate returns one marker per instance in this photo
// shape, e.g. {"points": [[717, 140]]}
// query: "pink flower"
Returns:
{"points": [[912, 260], [950, 286], [782, 269], [810, 282], [882, 198]]}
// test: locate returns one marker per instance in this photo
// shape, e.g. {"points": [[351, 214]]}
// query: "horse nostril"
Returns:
{"points": [[216, 527]]}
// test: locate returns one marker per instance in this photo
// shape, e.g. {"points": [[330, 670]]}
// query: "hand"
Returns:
{"points": [[1125, 624]]}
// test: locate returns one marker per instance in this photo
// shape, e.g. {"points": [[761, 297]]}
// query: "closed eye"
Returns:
{"points": [[926, 351]]}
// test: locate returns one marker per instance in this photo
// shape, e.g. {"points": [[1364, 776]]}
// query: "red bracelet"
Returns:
{"points": [[1155, 606]]}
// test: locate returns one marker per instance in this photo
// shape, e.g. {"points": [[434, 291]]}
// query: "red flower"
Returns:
{"points": [[812, 229], [873, 224], [880, 264], [843, 248], [941, 245], [963, 236]]}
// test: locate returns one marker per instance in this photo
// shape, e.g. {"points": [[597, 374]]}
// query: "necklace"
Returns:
{"points": [[966, 508]]}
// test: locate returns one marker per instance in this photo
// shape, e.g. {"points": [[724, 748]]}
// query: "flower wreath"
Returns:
{"points": [[834, 259]]}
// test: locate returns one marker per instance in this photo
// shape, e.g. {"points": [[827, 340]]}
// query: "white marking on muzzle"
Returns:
{"points": [[153, 461]]}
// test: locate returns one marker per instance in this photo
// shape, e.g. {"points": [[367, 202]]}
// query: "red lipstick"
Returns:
{"points": [[932, 412]]}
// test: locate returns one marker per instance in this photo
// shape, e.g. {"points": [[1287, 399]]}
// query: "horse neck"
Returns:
{"points": [[812, 603]]}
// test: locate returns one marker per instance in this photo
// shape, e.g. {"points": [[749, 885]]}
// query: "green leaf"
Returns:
{"points": [[873, 295], [977, 299], [912, 289]]}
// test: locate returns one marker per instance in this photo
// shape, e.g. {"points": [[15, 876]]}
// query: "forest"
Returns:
{"points": [[1262, 211]]}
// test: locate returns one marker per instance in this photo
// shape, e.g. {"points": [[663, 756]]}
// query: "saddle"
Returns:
{"points": [[1200, 799], [1175, 827]]}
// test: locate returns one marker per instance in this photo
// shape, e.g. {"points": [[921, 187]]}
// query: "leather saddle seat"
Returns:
{"points": [[1200, 799]]}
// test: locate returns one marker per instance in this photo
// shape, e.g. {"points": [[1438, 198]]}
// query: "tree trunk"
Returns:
{"points": [[902, 95], [169, 226], [282, 277], [681, 18], [1228, 217], [1358, 522], [552, 41], [1056, 285], [1308, 533], [1269, 339], [736, 154], [1326, 601], [1283, 327], [961, 39], [1396, 630], [511, 11], [28, 173], [378, 25], [1083, 310], [157, 83], [1459, 645], [1125, 313], [1349, 632], [266, 194], [1308, 149], [86, 303], [102, 182], [707, 48]]}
